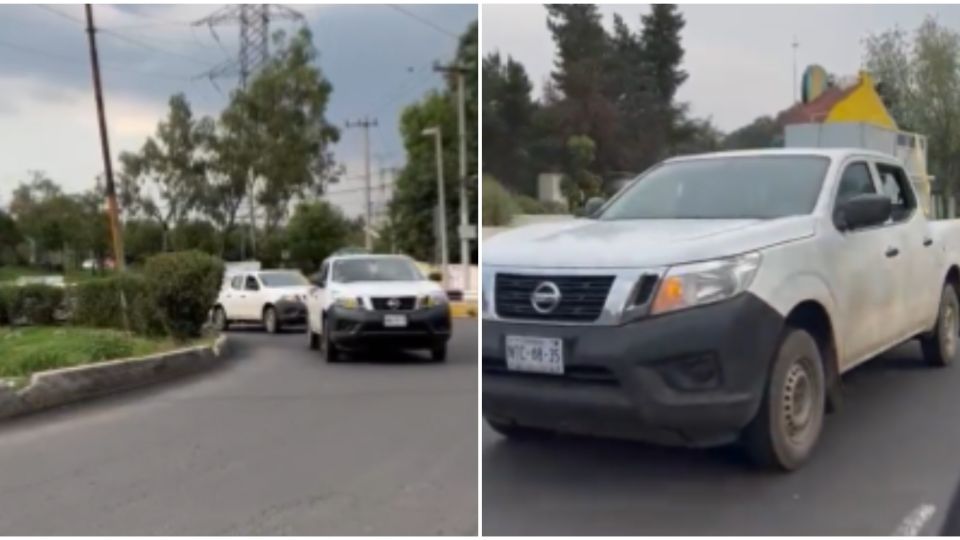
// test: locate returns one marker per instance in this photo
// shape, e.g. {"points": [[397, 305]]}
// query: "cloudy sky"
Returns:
{"points": [[739, 58], [378, 58]]}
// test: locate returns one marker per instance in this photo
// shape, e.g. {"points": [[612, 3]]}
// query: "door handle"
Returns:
{"points": [[927, 242], [892, 252]]}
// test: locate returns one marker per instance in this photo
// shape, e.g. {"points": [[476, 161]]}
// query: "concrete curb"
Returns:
{"points": [[66, 385]]}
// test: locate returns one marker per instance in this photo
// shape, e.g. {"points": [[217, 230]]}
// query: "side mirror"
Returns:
{"points": [[862, 211], [435, 276], [592, 206]]}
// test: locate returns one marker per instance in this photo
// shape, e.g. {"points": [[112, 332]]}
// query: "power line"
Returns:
{"points": [[424, 21], [117, 35], [145, 45], [73, 60], [59, 13]]}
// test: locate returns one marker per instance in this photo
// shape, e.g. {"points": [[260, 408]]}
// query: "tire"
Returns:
{"points": [[220, 321], [516, 432], [940, 347], [329, 350], [270, 321], [795, 394], [439, 353]]}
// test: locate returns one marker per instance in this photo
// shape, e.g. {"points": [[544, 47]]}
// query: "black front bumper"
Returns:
{"points": [[289, 312], [693, 377], [354, 329]]}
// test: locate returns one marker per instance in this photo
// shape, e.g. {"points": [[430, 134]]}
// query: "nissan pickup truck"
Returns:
{"points": [[362, 301], [717, 298]]}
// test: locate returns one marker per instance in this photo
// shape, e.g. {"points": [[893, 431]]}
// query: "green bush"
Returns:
{"points": [[98, 304], [183, 286], [34, 304], [498, 206], [6, 295]]}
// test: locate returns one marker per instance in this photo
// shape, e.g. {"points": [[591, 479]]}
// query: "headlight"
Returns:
{"points": [[434, 299], [703, 283], [348, 302], [486, 291]]}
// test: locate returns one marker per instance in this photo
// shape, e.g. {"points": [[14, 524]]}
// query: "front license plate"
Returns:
{"points": [[395, 321], [535, 354]]}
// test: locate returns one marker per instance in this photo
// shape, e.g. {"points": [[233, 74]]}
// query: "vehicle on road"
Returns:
{"points": [[274, 298], [716, 298], [367, 301]]}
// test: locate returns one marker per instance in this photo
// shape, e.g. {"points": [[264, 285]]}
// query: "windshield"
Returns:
{"points": [[759, 187], [375, 269], [283, 279]]}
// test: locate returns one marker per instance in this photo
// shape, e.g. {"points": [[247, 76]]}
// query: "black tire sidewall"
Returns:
{"points": [[268, 315], [796, 346], [948, 296]]}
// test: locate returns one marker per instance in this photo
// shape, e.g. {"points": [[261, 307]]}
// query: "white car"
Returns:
{"points": [[272, 297], [365, 301]]}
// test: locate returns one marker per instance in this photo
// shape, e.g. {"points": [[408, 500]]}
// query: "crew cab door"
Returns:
{"points": [[230, 297], [863, 275], [917, 262], [252, 298]]}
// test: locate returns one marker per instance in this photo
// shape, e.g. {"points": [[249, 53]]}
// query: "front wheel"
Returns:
{"points": [[329, 349], [940, 348], [270, 321], [786, 428], [220, 321]]}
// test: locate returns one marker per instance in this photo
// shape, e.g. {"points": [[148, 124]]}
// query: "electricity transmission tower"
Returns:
{"points": [[254, 22]]}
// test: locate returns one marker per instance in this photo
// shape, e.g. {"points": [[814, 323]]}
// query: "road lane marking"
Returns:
{"points": [[915, 520]]}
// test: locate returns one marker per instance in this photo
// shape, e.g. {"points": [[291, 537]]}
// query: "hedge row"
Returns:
{"points": [[171, 297], [36, 303]]}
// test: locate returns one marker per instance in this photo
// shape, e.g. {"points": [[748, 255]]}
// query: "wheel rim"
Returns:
{"points": [[949, 329], [219, 319], [799, 403], [271, 321]]}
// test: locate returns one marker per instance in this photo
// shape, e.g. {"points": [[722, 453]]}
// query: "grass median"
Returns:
{"points": [[24, 351]]}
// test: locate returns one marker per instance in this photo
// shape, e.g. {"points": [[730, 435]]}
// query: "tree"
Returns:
{"points": [[580, 183], [580, 78], [498, 206], [165, 180], [142, 238], [60, 225], [414, 201], [316, 230], [10, 238], [281, 117], [508, 114], [922, 82], [763, 132]]}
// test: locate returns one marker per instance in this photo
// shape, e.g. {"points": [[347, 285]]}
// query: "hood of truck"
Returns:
{"points": [[586, 243], [386, 288]]}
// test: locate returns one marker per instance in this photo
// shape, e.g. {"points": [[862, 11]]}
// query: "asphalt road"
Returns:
{"points": [[892, 451], [275, 442]]}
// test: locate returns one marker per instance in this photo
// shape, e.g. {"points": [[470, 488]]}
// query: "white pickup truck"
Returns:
{"points": [[716, 298], [272, 297]]}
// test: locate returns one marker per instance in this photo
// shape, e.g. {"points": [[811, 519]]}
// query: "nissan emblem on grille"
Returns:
{"points": [[546, 297], [393, 303]]}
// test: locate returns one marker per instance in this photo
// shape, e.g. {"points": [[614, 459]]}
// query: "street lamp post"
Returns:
{"points": [[441, 196]]}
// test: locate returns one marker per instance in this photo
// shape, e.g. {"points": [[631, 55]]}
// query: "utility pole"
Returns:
{"points": [[795, 45], [441, 198], [254, 22], [460, 71], [112, 207], [365, 124]]}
